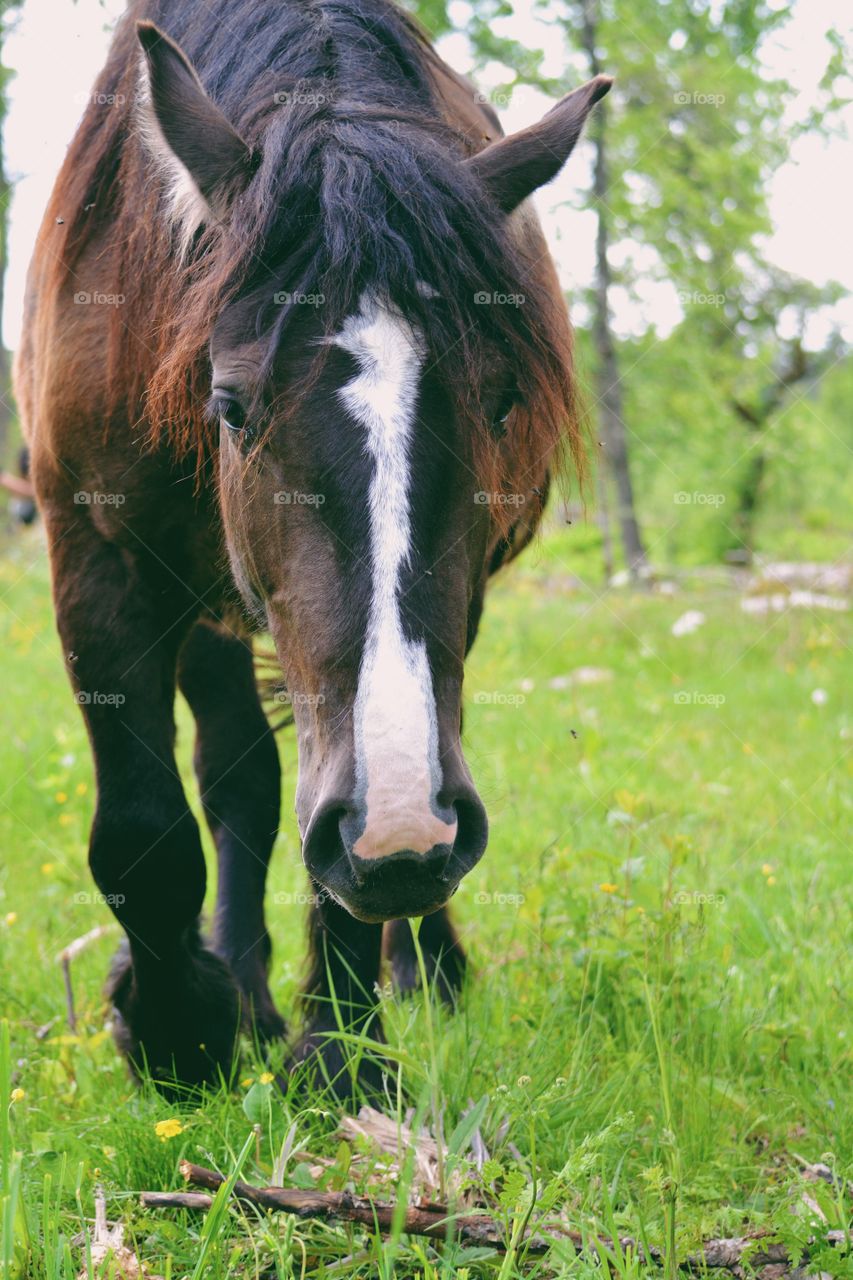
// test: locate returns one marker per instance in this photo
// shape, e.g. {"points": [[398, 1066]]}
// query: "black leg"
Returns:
{"points": [[236, 761], [444, 957], [121, 625], [344, 958]]}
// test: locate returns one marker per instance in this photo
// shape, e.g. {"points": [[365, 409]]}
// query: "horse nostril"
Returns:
{"points": [[472, 833], [323, 847]]}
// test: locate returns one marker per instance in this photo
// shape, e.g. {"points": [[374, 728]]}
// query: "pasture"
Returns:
{"points": [[656, 1026]]}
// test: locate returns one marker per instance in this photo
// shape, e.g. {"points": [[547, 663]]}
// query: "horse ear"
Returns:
{"points": [[203, 153], [514, 167]]}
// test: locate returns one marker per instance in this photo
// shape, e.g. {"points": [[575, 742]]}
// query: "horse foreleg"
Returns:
{"points": [[236, 762], [121, 623], [340, 994]]}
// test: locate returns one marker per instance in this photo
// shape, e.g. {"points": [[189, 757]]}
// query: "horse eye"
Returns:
{"points": [[232, 415], [506, 404]]}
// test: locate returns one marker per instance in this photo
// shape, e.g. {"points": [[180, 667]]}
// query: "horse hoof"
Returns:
{"points": [[181, 1033]]}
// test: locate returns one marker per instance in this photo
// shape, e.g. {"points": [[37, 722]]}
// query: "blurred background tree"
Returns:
{"points": [[682, 151]]}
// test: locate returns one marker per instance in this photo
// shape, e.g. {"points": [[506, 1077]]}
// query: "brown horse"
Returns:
{"points": [[295, 359]]}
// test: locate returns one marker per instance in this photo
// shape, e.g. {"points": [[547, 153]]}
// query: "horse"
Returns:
{"points": [[295, 361]]}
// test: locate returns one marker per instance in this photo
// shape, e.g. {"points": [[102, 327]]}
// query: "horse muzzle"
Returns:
{"points": [[375, 883]]}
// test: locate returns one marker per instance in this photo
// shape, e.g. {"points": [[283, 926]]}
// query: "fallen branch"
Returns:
{"points": [[437, 1222], [433, 1221]]}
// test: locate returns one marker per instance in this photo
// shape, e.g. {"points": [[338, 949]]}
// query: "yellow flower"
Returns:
{"points": [[607, 887], [771, 879], [166, 1129], [767, 869], [47, 868], [65, 819], [244, 1084], [18, 1095], [11, 917], [81, 789], [266, 1077], [61, 797]]}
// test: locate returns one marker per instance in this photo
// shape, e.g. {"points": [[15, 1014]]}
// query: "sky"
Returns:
{"points": [[56, 49]]}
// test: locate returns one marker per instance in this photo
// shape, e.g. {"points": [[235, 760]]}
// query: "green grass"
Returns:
{"points": [[658, 1017]]}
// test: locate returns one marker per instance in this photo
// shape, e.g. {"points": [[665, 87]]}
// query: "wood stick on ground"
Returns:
{"points": [[436, 1221], [68, 954]]}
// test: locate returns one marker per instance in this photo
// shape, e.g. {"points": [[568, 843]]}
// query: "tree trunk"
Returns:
{"points": [[604, 516], [610, 404], [757, 420], [746, 509]]}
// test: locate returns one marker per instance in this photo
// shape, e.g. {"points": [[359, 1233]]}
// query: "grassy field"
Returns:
{"points": [[657, 1022]]}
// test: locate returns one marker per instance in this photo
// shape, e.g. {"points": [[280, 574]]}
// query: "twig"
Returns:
{"points": [[434, 1222], [68, 954], [176, 1200], [437, 1221]]}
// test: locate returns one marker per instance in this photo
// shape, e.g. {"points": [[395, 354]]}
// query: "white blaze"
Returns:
{"points": [[396, 736]]}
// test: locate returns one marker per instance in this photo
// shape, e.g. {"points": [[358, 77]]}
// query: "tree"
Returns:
{"points": [[681, 157], [772, 367], [682, 151], [613, 433]]}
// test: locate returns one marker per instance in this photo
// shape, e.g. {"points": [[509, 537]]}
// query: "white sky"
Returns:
{"points": [[57, 48]]}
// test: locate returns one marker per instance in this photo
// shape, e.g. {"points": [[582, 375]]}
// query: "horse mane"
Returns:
{"points": [[360, 184]]}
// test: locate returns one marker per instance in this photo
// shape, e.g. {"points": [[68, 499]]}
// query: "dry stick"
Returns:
{"points": [[435, 1220], [68, 954], [176, 1200]]}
